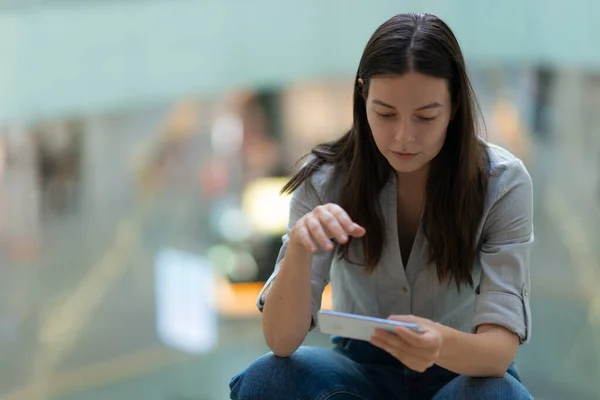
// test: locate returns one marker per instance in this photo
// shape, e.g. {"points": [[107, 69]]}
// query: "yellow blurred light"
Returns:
{"points": [[267, 210]]}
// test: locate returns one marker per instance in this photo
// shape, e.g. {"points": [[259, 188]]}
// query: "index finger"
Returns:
{"points": [[412, 338], [346, 222]]}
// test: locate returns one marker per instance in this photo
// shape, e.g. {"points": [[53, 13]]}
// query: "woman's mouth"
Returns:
{"points": [[404, 156]]}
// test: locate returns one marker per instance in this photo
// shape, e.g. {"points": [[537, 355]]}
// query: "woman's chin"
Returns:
{"points": [[407, 166]]}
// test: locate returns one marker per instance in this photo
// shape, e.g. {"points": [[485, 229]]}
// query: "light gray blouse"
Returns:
{"points": [[500, 294]]}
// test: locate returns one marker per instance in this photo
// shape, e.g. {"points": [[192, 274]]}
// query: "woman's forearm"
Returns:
{"points": [[487, 353], [287, 309]]}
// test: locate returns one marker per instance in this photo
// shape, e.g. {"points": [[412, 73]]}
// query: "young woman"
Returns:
{"points": [[411, 216]]}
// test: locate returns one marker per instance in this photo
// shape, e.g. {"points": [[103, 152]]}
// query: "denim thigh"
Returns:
{"points": [[309, 373]]}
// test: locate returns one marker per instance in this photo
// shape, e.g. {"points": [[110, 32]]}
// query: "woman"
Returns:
{"points": [[412, 217]]}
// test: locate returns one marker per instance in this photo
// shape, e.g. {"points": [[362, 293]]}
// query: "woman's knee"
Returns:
{"points": [[463, 387], [272, 377], [257, 378]]}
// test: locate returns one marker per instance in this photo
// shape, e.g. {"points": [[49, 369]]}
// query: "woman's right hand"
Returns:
{"points": [[325, 222]]}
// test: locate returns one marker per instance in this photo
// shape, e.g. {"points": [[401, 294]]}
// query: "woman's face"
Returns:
{"points": [[408, 115]]}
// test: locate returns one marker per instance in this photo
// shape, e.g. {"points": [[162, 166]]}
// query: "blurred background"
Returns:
{"points": [[143, 144]]}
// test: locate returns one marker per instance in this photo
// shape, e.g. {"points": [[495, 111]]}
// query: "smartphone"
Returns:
{"points": [[358, 326]]}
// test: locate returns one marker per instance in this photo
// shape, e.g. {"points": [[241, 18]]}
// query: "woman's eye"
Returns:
{"points": [[385, 115], [425, 118]]}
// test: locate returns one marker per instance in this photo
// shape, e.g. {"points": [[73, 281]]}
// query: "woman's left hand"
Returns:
{"points": [[416, 351]]}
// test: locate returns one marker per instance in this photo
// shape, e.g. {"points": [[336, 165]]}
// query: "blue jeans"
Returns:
{"points": [[354, 369]]}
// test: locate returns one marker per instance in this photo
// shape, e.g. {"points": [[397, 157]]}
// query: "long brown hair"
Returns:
{"points": [[457, 181]]}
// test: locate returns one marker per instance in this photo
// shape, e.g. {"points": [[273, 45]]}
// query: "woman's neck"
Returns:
{"points": [[411, 185]]}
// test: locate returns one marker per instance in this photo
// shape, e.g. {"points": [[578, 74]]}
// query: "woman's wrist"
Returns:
{"points": [[295, 249]]}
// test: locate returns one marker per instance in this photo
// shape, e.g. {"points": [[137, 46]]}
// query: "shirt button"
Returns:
{"points": [[525, 293], [404, 289]]}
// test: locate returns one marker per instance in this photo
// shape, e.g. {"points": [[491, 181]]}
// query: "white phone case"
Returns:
{"points": [[357, 326]]}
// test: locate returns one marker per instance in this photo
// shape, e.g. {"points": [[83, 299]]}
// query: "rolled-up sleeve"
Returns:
{"points": [[504, 288], [303, 200]]}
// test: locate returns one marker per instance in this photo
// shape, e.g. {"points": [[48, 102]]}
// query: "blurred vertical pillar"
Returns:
{"points": [[262, 121], [542, 97], [270, 102]]}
